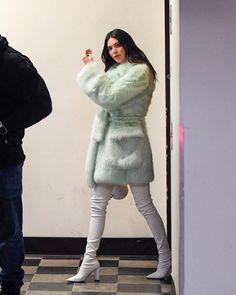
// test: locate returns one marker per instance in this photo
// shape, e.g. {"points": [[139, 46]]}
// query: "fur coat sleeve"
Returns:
{"points": [[112, 90]]}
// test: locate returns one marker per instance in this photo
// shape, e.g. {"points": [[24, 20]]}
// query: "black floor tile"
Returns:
{"points": [[135, 271], [108, 263], [139, 288], [141, 257], [31, 262], [108, 279], [56, 270]]}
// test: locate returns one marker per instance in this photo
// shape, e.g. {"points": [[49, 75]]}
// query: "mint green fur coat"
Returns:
{"points": [[119, 151]]}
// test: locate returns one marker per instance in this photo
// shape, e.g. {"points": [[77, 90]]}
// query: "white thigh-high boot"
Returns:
{"points": [[99, 202], [145, 205]]}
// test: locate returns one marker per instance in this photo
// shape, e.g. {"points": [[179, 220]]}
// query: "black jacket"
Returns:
{"points": [[24, 100]]}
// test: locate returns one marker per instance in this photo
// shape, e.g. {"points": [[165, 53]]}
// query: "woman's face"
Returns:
{"points": [[116, 51]]}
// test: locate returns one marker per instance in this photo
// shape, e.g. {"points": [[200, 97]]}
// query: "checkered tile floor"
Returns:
{"points": [[46, 275]]}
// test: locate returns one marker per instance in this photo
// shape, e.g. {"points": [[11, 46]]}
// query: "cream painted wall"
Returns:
{"points": [[54, 34]]}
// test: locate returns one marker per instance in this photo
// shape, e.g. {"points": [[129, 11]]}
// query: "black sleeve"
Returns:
{"points": [[33, 102]]}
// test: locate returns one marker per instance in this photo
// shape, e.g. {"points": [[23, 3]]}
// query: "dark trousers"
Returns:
{"points": [[11, 236]]}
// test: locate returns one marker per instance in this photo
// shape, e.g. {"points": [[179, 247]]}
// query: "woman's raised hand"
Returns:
{"points": [[87, 57]]}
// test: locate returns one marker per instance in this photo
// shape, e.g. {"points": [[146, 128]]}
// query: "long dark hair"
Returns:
{"points": [[133, 53]]}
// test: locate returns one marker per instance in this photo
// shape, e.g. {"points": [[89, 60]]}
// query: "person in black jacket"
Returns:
{"points": [[24, 101]]}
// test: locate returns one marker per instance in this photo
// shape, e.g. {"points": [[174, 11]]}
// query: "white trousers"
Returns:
{"points": [[142, 197]]}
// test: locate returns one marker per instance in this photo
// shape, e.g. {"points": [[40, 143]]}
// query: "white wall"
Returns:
{"points": [[54, 34], [208, 108]]}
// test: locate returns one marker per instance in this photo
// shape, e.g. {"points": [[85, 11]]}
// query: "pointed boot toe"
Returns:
{"points": [[85, 271]]}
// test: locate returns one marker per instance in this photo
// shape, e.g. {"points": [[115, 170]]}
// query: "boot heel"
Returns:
{"points": [[96, 275]]}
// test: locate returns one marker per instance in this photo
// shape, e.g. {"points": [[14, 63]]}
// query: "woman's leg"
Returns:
{"points": [[145, 205], [99, 201]]}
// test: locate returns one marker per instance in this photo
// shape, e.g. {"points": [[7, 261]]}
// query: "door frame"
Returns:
{"points": [[168, 118]]}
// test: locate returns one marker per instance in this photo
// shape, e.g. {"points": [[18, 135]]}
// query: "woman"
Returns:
{"points": [[119, 152]]}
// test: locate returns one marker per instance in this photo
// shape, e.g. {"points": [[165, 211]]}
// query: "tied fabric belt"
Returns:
{"points": [[103, 119]]}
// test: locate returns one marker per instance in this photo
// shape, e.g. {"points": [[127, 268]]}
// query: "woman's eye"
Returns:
{"points": [[115, 46]]}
